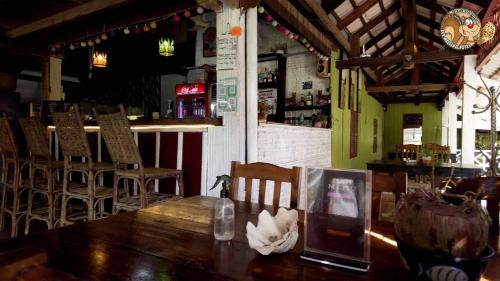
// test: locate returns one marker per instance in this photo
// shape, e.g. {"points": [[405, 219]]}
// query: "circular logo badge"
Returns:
{"points": [[460, 29]]}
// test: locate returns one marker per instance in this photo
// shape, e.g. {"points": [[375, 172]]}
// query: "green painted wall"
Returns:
{"points": [[370, 109], [393, 126]]}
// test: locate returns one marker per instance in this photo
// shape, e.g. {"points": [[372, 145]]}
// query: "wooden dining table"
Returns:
{"points": [[151, 244], [415, 168]]}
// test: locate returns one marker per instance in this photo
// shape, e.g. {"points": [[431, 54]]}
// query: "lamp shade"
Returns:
{"points": [[100, 59], [166, 47]]}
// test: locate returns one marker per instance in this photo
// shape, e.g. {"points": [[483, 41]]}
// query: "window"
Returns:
{"points": [[412, 129]]}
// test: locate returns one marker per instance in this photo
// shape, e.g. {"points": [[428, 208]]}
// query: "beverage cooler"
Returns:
{"points": [[193, 100]]}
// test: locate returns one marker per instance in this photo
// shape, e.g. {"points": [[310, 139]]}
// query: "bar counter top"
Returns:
{"points": [[158, 122]]}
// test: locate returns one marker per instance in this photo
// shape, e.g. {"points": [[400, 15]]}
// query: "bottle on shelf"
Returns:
{"points": [[264, 79], [275, 75], [302, 100], [319, 99], [309, 99]]}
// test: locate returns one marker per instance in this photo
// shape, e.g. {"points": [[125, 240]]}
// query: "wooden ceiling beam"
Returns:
{"points": [[356, 13], [431, 36], [374, 22], [326, 21], [330, 5], [433, 6], [409, 8], [64, 16], [428, 22], [330, 26], [409, 88], [422, 57], [388, 45], [383, 34], [292, 17]]}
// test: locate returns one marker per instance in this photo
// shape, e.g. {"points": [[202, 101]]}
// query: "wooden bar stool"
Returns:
{"points": [[115, 129], [265, 172], [13, 187], [74, 143], [41, 163]]}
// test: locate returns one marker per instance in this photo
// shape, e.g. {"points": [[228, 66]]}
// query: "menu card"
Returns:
{"points": [[338, 218]]}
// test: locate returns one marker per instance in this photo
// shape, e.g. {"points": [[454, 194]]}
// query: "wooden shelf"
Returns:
{"points": [[296, 108], [267, 85]]}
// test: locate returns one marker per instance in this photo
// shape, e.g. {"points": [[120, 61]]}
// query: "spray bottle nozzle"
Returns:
{"points": [[225, 179]]}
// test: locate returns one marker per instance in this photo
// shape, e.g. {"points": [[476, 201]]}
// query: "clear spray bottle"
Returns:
{"points": [[224, 211]]}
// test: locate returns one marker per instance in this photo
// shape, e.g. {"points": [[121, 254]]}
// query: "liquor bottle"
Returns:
{"points": [[309, 99], [302, 100]]}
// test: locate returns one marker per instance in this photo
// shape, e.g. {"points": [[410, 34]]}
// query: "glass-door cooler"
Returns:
{"points": [[193, 100]]}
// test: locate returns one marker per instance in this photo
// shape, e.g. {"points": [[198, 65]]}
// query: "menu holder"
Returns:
{"points": [[338, 218]]}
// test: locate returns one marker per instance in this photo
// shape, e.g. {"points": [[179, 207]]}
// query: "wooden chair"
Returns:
{"points": [[396, 184], [13, 188], [74, 143], [265, 172], [115, 129], [440, 153], [407, 151], [41, 161]]}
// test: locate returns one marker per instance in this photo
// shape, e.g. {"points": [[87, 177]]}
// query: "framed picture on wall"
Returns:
{"points": [[209, 42]]}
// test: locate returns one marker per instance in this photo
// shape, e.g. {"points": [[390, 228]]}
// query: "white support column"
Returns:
{"points": [[252, 87], [445, 123], [468, 100], [452, 122]]}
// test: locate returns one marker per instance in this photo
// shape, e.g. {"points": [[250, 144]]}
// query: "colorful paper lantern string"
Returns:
{"points": [[289, 34], [147, 27]]}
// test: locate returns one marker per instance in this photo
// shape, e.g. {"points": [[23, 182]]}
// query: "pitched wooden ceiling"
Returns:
{"points": [[382, 27]]}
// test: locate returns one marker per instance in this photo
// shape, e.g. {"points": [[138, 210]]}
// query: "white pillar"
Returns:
{"points": [[452, 122], [252, 87], [444, 123], [468, 119]]}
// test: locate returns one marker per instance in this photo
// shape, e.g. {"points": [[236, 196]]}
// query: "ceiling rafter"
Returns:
{"points": [[388, 45], [433, 6], [431, 36], [336, 32], [383, 34], [374, 22], [356, 13], [429, 22], [64, 16], [330, 5]]}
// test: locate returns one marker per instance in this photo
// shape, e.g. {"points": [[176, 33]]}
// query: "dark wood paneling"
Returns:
{"points": [[168, 159], [191, 163]]}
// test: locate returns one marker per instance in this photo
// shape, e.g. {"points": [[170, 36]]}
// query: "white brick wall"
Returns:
{"points": [[289, 146]]}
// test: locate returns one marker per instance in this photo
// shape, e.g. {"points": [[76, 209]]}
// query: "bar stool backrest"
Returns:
{"points": [[440, 153], [408, 151], [71, 134], [115, 129], [36, 137], [265, 172], [8, 145]]}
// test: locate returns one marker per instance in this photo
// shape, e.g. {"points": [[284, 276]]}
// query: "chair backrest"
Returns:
{"points": [[8, 144], [407, 151], [439, 152], [71, 134], [115, 129], [265, 172], [36, 136], [381, 182]]}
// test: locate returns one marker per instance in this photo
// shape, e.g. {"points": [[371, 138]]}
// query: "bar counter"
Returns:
{"points": [[167, 143]]}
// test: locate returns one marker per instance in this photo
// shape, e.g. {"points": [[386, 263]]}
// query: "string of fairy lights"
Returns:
{"points": [[151, 25], [137, 28], [293, 36]]}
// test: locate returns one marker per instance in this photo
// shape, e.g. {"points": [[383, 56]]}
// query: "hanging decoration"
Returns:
{"points": [[300, 39], [99, 59], [137, 28], [236, 30], [166, 47]]}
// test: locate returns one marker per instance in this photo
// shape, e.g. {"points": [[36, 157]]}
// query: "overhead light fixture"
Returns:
{"points": [[99, 59], [166, 47]]}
